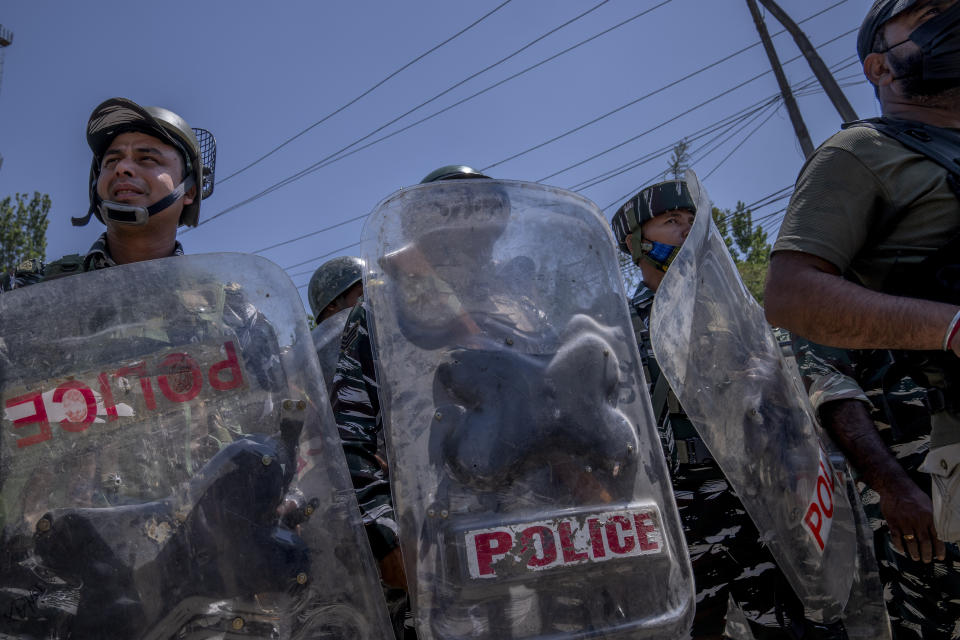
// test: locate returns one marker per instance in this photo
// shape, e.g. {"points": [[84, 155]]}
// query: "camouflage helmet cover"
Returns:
{"points": [[120, 115], [649, 202], [331, 280]]}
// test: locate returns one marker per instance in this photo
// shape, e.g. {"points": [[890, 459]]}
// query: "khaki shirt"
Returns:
{"points": [[857, 180]]}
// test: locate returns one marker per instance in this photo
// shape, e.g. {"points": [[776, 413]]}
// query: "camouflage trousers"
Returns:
{"points": [[731, 563], [923, 600]]}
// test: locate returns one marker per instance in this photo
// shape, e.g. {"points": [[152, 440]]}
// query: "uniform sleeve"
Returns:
{"points": [[355, 401], [827, 373], [837, 201]]}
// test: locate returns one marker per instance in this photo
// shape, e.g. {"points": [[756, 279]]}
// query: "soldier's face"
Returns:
{"points": [[905, 57], [139, 170], [671, 227]]}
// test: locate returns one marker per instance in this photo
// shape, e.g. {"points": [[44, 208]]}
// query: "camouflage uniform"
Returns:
{"points": [[355, 401], [34, 271], [921, 598], [874, 208], [730, 563]]}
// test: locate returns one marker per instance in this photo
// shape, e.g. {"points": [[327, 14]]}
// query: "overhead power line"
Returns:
{"points": [[727, 123], [648, 95], [369, 91], [743, 141], [651, 129], [328, 253], [343, 151], [312, 233], [838, 66], [353, 219]]}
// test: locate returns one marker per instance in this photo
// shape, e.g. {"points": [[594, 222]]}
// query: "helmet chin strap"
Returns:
{"points": [[132, 214]]}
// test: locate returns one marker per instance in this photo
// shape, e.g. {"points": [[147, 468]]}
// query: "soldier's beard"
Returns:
{"points": [[940, 93]]}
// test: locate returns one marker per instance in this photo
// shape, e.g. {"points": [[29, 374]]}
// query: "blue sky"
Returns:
{"points": [[256, 74]]}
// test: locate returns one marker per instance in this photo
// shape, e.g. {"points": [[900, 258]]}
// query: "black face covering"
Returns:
{"points": [[936, 67]]}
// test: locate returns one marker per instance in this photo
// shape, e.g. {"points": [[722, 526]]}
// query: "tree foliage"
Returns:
{"points": [[747, 244], [23, 228], [679, 161]]}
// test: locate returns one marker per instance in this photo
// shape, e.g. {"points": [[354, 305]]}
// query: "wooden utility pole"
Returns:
{"points": [[798, 126], [820, 70], [6, 38]]}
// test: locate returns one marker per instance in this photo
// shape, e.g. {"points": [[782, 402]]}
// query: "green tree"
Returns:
{"points": [[747, 244], [23, 229], [679, 161]]}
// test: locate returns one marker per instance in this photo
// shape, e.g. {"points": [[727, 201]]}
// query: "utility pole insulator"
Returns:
{"points": [[6, 36], [806, 144]]}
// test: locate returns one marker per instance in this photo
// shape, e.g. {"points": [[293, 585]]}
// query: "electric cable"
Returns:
{"points": [[742, 142], [667, 86], [836, 67], [343, 151], [751, 110], [696, 135], [330, 159], [368, 91]]}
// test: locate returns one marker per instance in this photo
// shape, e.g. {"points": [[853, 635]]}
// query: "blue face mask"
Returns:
{"points": [[658, 254]]}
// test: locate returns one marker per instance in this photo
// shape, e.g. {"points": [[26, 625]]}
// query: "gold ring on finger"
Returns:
{"points": [[909, 537]]}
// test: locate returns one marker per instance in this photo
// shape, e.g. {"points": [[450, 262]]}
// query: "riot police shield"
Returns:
{"points": [[169, 466], [720, 357], [531, 489], [326, 340]]}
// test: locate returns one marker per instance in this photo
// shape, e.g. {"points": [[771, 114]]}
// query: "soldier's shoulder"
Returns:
{"points": [[863, 141], [64, 266], [35, 270]]}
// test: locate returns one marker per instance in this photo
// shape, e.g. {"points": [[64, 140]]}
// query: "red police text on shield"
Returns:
{"points": [[175, 378], [546, 544]]}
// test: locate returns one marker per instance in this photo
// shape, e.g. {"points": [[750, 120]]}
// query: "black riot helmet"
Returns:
{"points": [[452, 172], [197, 147]]}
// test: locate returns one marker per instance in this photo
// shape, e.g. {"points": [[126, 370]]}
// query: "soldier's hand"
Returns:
{"points": [[391, 570], [909, 515]]}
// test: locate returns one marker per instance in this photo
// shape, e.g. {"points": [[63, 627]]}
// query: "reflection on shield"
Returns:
{"points": [[530, 484], [168, 463], [724, 365]]}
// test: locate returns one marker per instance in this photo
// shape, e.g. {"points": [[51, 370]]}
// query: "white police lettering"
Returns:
{"points": [[819, 516], [547, 544]]}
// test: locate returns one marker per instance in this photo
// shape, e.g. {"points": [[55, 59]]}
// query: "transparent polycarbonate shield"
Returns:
{"points": [[169, 465], [326, 339], [532, 492], [722, 361]]}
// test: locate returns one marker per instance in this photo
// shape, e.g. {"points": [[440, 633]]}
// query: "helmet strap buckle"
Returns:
{"points": [[123, 213], [134, 215]]}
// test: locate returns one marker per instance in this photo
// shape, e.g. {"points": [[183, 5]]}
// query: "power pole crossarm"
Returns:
{"points": [[806, 144], [820, 70]]}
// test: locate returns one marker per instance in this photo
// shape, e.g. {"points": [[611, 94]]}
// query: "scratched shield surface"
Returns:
{"points": [[169, 462], [720, 356], [530, 484]]}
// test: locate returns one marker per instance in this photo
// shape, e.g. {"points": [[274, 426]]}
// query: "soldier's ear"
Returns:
{"points": [[877, 71]]}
